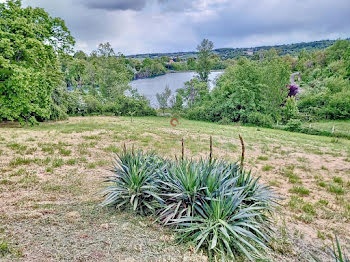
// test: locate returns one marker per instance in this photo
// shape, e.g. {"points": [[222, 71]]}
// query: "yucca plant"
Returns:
{"points": [[181, 187], [214, 204], [134, 183], [255, 191], [226, 228]]}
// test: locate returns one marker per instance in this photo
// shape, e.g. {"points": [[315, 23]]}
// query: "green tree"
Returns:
{"points": [[195, 92], [163, 98], [191, 63], [290, 109], [204, 62], [177, 102], [30, 42], [112, 75]]}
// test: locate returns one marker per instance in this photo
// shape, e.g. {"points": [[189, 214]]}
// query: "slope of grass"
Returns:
{"points": [[341, 127], [48, 200]]}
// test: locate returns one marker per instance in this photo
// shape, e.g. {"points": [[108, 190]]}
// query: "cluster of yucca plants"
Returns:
{"points": [[213, 204]]}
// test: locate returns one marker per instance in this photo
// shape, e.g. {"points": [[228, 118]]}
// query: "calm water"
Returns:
{"points": [[151, 86]]}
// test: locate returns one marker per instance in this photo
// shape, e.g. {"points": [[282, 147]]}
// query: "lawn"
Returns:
{"points": [[341, 127], [51, 174]]}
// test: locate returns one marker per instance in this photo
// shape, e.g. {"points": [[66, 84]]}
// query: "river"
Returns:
{"points": [[149, 87]]}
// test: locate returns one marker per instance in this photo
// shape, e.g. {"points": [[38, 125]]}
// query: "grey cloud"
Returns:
{"points": [[115, 4], [311, 20], [142, 26]]}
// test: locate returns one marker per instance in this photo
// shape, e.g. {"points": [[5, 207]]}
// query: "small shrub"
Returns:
{"points": [[260, 119], [293, 125]]}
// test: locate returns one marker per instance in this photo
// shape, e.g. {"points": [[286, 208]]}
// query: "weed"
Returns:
{"points": [[320, 235], [65, 152], [293, 178], [300, 190], [112, 148], [4, 248], [336, 189], [91, 165], [323, 202], [321, 184], [31, 150], [274, 183], [92, 137], [19, 172], [57, 162], [295, 203], [18, 148], [306, 218], [267, 168], [71, 161], [309, 209], [338, 180], [5, 182], [324, 168], [263, 158], [29, 180], [20, 161]]}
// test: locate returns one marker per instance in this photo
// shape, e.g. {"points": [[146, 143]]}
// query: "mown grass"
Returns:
{"points": [[50, 165], [340, 126]]}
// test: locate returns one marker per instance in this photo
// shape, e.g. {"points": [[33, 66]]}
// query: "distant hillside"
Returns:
{"points": [[226, 53]]}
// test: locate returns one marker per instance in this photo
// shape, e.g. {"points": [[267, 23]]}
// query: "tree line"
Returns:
{"points": [[40, 79]]}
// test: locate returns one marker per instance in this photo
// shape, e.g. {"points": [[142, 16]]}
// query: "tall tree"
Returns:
{"points": [[163, 98], [112, 74], [30, 41], [204, 63]]}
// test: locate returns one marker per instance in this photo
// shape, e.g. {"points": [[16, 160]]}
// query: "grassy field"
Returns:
{"points": [[341, 127], [51, 174]]}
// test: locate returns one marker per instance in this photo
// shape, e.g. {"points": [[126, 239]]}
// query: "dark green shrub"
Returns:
{"points": [[259, 119], [293, 125], [290, 110]]}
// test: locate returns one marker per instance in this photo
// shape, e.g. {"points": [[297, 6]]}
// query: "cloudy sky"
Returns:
{"points": [[143, 26]]}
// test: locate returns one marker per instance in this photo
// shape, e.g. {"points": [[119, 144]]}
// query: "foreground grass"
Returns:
{"points": [[50, 175]]}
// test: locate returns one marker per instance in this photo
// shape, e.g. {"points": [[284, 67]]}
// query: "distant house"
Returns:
{"points": [[171, 61]]}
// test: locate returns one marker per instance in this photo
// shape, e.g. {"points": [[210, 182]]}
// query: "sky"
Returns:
{"points": [[146, 26]]}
